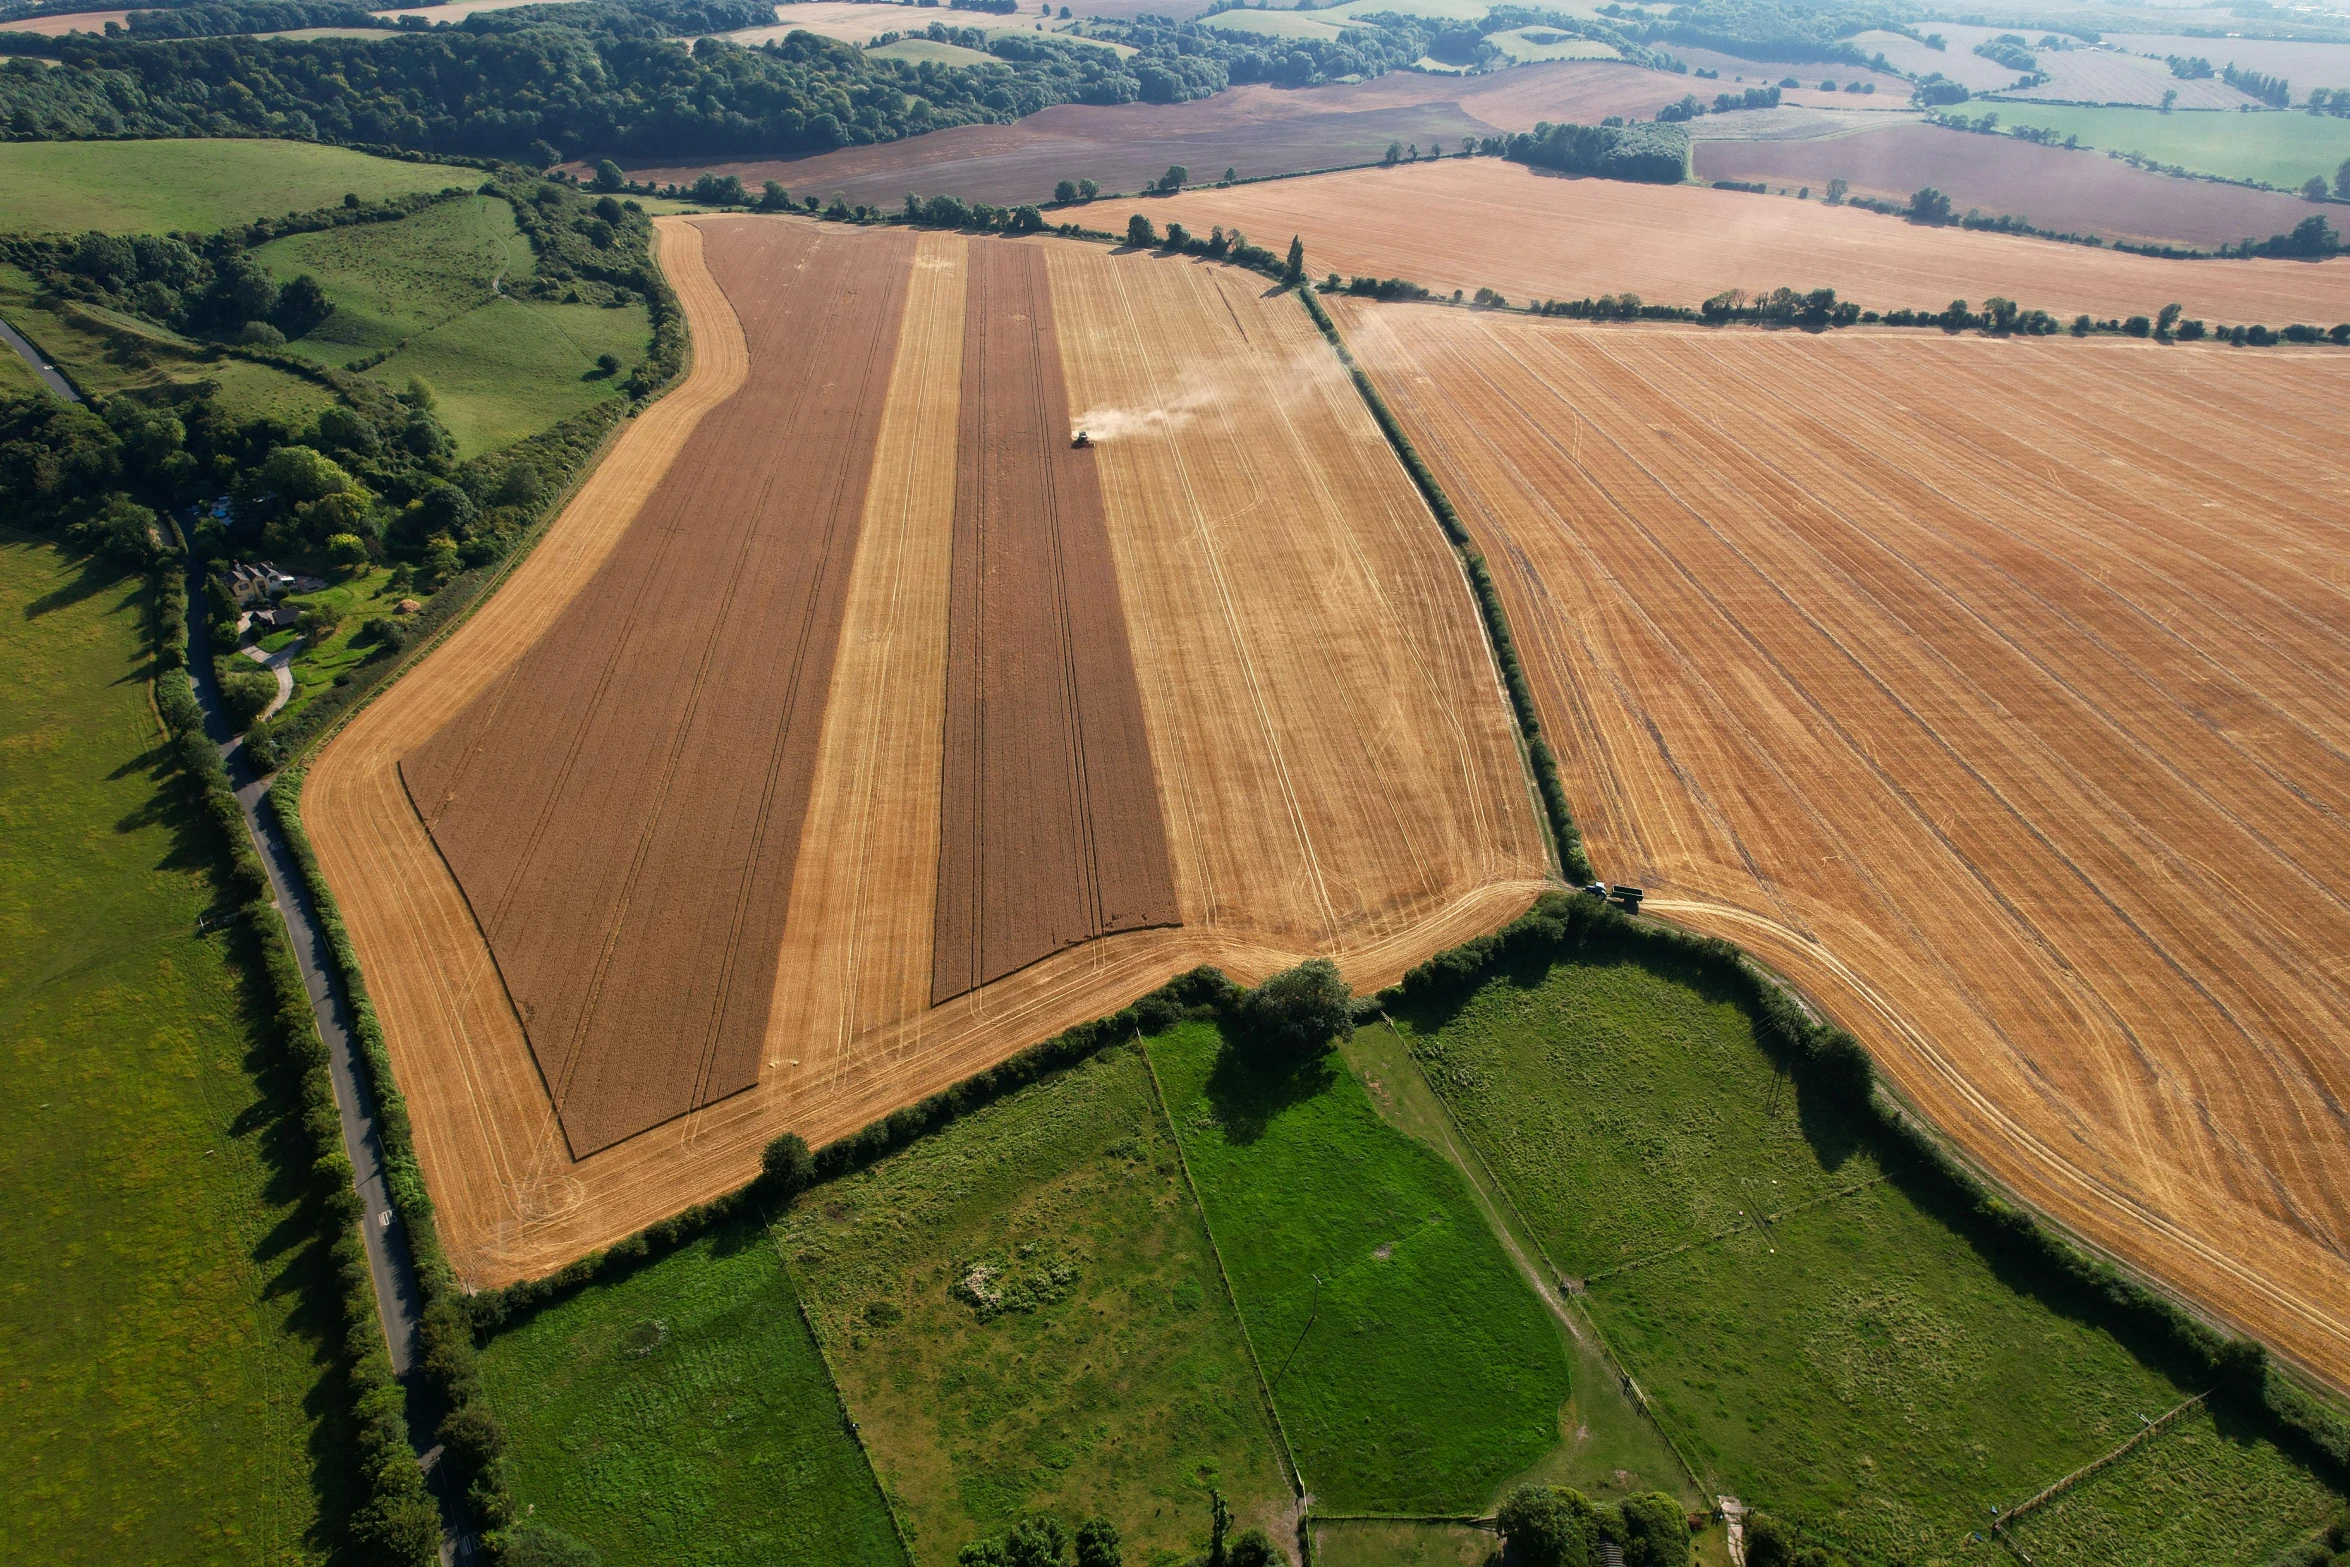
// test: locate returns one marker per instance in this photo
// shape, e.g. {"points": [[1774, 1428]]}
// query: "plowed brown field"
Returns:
{"points": [[623, 806], [1993, 693], [1052, 834], [1471, 223], [1336, 768], [2074, 192], [1255, 129]]}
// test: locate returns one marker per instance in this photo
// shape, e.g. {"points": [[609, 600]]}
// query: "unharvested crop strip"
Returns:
{"points": [[1051, 832], [623, 808]]}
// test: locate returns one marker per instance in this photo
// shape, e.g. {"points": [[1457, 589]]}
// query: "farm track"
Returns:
{"points": [[2006, 724], [624, 808], [1335, 763], [1481, 223]]}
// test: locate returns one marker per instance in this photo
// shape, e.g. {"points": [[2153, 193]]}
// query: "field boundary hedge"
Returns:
{"points": [[1566, 837], [1563, 925], [398, 1522]]}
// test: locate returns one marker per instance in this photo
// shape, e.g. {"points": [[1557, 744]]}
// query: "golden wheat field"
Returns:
{"points": [[1989, 690], [1471, 223], [1335, 767]]}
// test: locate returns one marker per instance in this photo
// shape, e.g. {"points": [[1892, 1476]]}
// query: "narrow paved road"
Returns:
{"points": [[41, 367], [399, 1303]]}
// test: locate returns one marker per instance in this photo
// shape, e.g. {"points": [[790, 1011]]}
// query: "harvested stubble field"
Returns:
{"points": [[1471, 223], [1986, 689], [1336, 767], [2070, 191], [1255, 129]]}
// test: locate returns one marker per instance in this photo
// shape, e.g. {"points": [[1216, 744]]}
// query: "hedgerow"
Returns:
{"points": [[398, 1525]]}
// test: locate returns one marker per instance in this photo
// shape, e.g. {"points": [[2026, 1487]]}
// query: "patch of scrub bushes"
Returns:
{"points": [[1557, 1526]]}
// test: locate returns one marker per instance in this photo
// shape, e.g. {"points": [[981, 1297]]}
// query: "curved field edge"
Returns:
{"points": [[1863, 1360]]}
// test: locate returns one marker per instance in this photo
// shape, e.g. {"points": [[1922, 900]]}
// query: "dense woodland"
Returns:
{"points": [[618, 80]]}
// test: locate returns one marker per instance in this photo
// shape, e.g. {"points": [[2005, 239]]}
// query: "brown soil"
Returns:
{"points": [[1255, 129], [1051, 833], [623, 807], [2073, 192], [1991, 694], [1479, 222]]}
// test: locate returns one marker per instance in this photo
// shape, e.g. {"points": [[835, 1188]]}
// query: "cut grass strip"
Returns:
{"points": [[1414, 1370]]}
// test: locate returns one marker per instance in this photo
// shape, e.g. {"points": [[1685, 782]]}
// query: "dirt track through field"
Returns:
{"points": [[1471, 223], [623, 808], [1051, 834], [1333, 757], [2003, 718]]}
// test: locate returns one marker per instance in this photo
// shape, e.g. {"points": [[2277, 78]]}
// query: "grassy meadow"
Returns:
{"points": [[1820, 1341], [683, 1415], [439, 283], [2281, 149], [156, 187], [166, 1317], [1420, 1373], [139, 354], [1024, 1315]]}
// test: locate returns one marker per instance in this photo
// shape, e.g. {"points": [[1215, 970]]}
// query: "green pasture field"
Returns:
{"points": [[167, 1317], [2201, 1490], [916, 50], [1110, 1379], [1275, 24], [1525, 51], [153, 187], [1421, 1373], [682, 1415], [2284, 149], [514, 367], [1854, 1364], [1609, 1448], [503, 367], [157, 357], [390, 281]]}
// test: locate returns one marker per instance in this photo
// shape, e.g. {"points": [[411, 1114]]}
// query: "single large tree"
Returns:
{"points": [[1295, 272], [1298, 1013]]}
